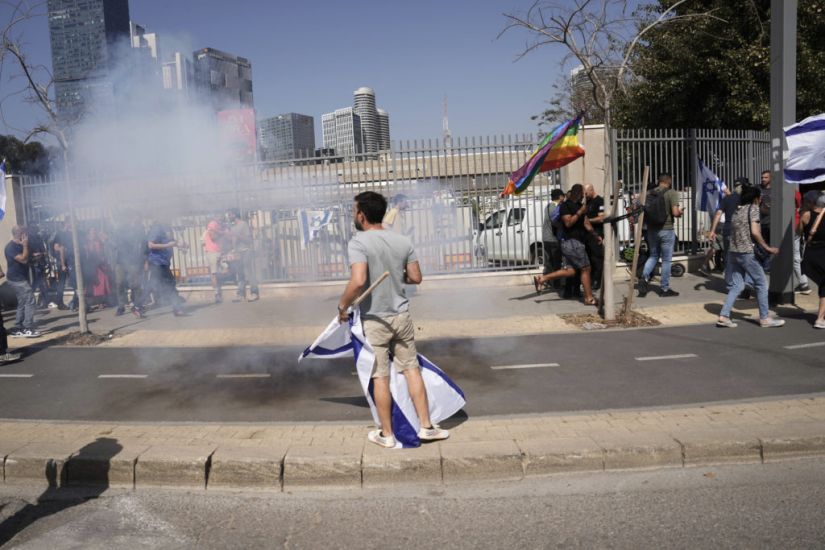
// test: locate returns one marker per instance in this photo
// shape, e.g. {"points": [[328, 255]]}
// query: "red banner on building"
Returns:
{"points": [[238, 136]]}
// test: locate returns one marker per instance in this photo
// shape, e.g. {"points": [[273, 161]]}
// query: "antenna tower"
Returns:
{"points": [[445, 128]]}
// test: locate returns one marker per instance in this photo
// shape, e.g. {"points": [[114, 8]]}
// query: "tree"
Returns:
{"points": [[714, 72], [25, 158], [36, 83], [602, 37]]}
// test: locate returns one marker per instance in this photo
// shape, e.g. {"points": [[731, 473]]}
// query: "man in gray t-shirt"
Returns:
{"points": [[388, 327]]}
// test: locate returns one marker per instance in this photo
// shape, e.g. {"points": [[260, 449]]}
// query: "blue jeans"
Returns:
{"points": [[25, 304], [661, 244], [745, 266]]}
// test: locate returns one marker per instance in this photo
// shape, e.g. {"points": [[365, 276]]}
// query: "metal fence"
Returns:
{"points": [[300, 209], [728, 153]]}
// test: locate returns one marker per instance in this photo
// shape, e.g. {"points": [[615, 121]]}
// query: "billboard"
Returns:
{"points": [[238, 137]]}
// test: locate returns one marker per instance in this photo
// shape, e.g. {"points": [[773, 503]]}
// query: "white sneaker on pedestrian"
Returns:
{"points": [[30, 333], [725, 323], [819, 324], [9, 357], [771, 322], [432, 434], [387, 441], [803, 289]]}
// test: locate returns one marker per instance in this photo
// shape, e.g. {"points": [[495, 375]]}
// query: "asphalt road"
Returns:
{"points": [[598, 370], [742, 506]]}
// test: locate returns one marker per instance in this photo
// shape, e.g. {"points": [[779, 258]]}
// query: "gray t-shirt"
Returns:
{"points": [[548, 232], [383, 250]]}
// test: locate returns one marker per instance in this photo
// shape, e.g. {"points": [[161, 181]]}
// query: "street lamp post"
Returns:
{"points": [[783, 113]]}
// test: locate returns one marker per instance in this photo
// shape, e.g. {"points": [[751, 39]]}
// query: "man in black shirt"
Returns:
{"points": [[574, 233], [63, 253], [595, 248], [17, 260]]}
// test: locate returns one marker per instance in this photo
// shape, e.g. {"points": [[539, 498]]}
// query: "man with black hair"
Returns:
{"points": [[595, 247], [551, 248], [17, 259], [576, 228], [161, 242], [662, 239], [388, 326]]}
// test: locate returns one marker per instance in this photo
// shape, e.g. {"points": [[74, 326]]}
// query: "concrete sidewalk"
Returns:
{"points": [[475, 306], [294, 456], [280, 457]]}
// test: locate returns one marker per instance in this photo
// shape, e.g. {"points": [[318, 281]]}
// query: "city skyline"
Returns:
{"points": [[489, 93]]}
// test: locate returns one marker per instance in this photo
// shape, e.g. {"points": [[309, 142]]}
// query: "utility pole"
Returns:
{"points": [[783, 113], [445, 128]]}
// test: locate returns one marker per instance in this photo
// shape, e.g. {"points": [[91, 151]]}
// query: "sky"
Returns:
{"points": [[308, 57]]}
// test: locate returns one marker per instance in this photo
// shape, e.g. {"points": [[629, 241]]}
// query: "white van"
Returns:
{"points": [[511, 232]]}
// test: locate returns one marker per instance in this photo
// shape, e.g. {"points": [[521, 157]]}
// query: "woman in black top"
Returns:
{"points": [[573, 235], [813, 262]]}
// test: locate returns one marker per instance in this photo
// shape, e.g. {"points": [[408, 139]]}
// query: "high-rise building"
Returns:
{"points": [[364, 107], [179, 75], [224, 80], [371, 126], [86, 36], [141, 40], [342, 132], [287, 136], [383, 130]]}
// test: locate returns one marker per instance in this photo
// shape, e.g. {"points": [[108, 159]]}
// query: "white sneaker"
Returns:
{"points": [[432, 434], [819, 324], [387, 441], [771, 322]]}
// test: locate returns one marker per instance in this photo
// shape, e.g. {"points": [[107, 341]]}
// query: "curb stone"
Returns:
{"points": [[308, 467], [473, 460], [174, 466], [561, 454], [714, 447], [250, 467]]}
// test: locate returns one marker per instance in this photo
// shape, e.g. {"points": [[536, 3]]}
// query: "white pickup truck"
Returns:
{"points": [[511, 232]]}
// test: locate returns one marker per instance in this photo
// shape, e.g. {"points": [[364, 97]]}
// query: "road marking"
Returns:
{"points": [[16, 375], [250, 375], [121, 376], [800, 346], [661, 357], [533, 366]]}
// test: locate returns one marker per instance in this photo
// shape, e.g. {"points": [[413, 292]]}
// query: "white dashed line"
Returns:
{"points": [[801, 346], [532, 366], [121, 376], [251, 375], [663, 357], [16, 375]]}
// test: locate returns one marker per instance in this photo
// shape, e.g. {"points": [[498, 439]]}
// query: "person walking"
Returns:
{"points": [[17, 260], [162, 280], [388, 326], [240, 236], [812, 230], [595, 243], [802, 287], [130, 261], [661, 236], [745, 235], [213, 239]]}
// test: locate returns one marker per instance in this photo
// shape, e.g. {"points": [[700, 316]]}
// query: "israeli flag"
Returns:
{"points": [[444, 396], [709, 189], [311, 222], [806, 151], [3, 189]]}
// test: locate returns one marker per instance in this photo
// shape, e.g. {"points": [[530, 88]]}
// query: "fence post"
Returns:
{"points": [[694, 214]]}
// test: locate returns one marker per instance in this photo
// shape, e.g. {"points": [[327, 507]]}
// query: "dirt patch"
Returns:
{"points": [[80, 339], [593, 321]]}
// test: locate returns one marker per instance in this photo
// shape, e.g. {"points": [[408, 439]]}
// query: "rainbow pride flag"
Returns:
{"points": [[560, 147]]}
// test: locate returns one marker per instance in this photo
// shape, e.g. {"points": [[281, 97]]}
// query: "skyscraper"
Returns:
{"points": [[370, 126], [287, 136], [86, 36], [364, 107], [179, 75], [342, 132], [383, 130], [224, 80]]}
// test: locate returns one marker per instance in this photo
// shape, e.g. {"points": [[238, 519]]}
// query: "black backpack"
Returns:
{"points": [[656, 208]]}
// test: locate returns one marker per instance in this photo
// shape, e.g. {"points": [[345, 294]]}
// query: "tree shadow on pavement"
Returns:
{"points": [[90, 464]]}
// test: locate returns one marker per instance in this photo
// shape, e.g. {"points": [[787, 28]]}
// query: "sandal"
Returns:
{"points": [[537, 284]]}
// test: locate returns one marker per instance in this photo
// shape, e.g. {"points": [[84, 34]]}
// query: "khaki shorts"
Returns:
{"points": [[391, 335], [212, 259]]}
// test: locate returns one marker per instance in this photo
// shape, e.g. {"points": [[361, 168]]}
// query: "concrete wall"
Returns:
{"points": [[589, 168]]}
